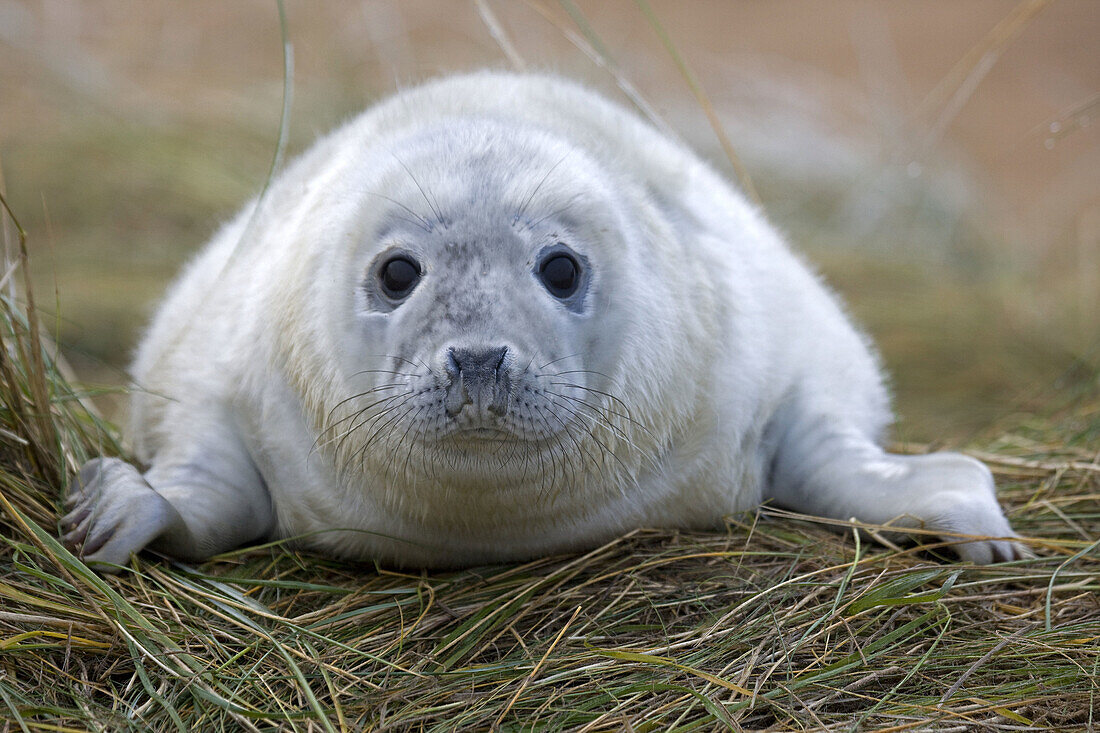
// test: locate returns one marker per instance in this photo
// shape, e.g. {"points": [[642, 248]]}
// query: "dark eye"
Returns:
{"points": [[561, 275], [399, 276]]}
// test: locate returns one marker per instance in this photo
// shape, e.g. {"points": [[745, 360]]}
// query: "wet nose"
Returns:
{"points": [[478, 378], [484, 363]]}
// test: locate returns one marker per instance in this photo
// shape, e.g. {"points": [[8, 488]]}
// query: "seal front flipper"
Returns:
{"points": [[190, 509], [824, 467], [114, 512]]}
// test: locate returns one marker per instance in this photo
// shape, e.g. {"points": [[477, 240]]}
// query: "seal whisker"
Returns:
{"points": [[331, 427], [581, 415], [577, 442], [401, 358], [526, 456], [433, 206], [600, 393], [540, 454], [596, 414], [420, 221], [359, 455], [624, 415], [542, 457], [556, 212], [427, 367], [608, 377], [560, 358], [414, 222], [412, 443], [378, 430], [601, 466], [560, 465], [383, 371], [371, 419], [359, 395], [530, 197]]}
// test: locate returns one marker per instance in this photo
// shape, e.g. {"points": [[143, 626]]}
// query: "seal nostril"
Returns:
{"points": [[500, 361], [483, 363], [453, 367], [477, 377]]}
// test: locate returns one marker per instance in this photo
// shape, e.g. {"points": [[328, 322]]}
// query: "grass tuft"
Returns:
{"points": [[778, 621]]}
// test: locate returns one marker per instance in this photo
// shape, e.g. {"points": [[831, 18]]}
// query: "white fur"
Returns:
{"points": [[735, 375]]}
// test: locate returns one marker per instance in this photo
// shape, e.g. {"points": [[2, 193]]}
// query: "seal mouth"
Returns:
{"points": [[483, 434]]}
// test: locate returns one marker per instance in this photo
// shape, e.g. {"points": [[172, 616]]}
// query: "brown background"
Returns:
{"points": [[965, 237]]}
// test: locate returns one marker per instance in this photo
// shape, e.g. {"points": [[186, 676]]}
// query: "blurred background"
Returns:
{"points": [[939, 161]]}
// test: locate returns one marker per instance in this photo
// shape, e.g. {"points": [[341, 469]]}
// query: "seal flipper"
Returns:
{"points": [[826, 467], [114, 512], [191, 508]]}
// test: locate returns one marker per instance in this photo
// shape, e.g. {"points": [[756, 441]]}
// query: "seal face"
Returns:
{"points": [[479, 356], [498, 316]]}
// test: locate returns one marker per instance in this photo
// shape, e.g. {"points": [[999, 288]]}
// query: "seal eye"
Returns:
{"points": [[399, 276], [559, 274]]}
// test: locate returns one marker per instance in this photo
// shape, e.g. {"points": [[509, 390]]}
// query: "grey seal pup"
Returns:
{"points": [[494, 317]]}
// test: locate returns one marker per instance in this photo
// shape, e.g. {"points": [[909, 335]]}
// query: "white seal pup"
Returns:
{"points": [[495, 317]]}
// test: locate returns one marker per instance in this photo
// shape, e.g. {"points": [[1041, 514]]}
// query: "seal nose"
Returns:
{"points": [[478, 378]]}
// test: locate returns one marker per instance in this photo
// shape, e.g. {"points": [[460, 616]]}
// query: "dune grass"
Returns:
{"points": [[777, 622]]}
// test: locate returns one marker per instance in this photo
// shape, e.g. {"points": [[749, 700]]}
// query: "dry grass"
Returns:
{"points": [[779, 622]]}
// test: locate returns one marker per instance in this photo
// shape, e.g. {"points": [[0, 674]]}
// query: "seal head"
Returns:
{"points": [[485, 349]]}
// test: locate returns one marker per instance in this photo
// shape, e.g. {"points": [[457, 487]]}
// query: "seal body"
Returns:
{"points": [[494, 317]]}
